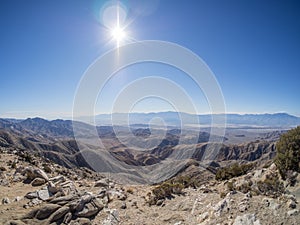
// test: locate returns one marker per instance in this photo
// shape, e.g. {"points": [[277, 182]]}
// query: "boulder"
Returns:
{"points": [[83, 200], [31, 214], [58, 179], [62, 200], [88, 210], [46, 210], [33, 173], [67, 218], [31, 195], [44, 194], [58, 214], [38, 181], [293, 212], [113, 218], [222, 206], [101, 183], [53, 188], [81, 221]]}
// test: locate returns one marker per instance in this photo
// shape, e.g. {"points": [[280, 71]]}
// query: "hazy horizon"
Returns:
{"points": [[136, 112]]}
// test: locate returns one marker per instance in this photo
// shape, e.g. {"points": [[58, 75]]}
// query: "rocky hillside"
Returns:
{"points": [[37, 191], [54, 140]]}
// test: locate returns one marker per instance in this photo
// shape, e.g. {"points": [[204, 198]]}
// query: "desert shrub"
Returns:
{"points": [[230, 186], [2, 168], [233, 170], [186, 181], [245, 187], [223, 194], [288, 152], [47, 168], [267, 164], [28, 158], [130, 191], [271, 186], [165, 190], [14, 165]]}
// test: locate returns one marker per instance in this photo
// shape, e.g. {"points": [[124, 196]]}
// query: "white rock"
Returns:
{"points": [[33, 173], [221, 206], [258, 174], [291, 204], [17, 199], [44, 194], [113, 218], [246, 219], [293, 212], [273, 167]]}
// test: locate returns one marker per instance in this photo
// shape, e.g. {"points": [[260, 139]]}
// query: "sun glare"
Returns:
{"points": [[114, 18], [118, 34]]}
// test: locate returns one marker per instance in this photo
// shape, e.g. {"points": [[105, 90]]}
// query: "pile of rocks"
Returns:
{"points": [[61, 202], [66, 208]]}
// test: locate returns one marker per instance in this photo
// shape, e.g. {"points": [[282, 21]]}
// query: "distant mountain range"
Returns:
{"points": [[55, 141], [175, 119]]}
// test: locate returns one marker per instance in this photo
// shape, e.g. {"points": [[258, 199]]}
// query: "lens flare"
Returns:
{"points": [[118, 34], [114, 18]]}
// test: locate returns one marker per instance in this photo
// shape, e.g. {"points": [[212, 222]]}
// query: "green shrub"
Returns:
{"points": [[271, 186], [165, 190], [233, 170], [288, 152], [245, 187], [28, 158]]}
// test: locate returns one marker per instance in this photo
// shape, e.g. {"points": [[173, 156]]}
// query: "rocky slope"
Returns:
{"points": [[54, 140], [38, 191]]}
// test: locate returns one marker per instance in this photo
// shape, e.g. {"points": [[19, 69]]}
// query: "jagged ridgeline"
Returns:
{"points": [[54, 140]]}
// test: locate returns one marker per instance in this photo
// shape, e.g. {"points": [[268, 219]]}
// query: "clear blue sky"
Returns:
{"points": [[252, 47]]}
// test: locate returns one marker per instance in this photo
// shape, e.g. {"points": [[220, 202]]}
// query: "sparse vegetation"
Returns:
{"points": [[271, 186], [47, 168], [245, 187], [230, 186], [288, 152], [233, 170], [130, 191], [185, 181], [165, 190], [14, 165]]}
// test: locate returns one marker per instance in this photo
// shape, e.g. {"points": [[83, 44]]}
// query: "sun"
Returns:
{"points": [[118, 34]]}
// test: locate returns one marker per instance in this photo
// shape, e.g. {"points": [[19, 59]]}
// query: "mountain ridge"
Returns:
{"points": [[177, 118]]}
